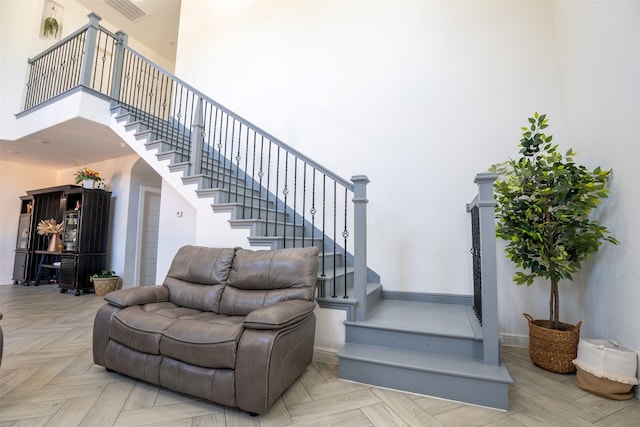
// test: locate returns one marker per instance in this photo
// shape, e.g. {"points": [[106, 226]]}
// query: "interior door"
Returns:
{"points": [[148, 242]]}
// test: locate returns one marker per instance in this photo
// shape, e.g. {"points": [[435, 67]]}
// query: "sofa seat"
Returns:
{"points": [[200, 338]]}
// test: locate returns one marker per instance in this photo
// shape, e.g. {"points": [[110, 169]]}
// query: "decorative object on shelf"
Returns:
{"points": [[51, 227], [88, 177], [543, 204], [104, 282]]}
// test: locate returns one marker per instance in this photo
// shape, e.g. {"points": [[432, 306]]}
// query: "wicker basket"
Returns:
{"points": [[105, 285], [550, 349]]}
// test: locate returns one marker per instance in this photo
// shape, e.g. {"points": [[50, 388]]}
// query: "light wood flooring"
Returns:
{"points": [[48, 378]]}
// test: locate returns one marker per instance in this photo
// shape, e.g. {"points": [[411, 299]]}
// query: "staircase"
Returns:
{"points": [[250, 205], [429, 344]]}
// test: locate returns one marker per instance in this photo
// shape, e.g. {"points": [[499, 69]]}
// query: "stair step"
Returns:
{"points": [[448, 377], [238, 211], [449, 329], [261, 227], [279, 242]]}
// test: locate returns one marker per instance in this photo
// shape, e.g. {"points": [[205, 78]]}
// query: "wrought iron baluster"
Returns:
{"points": [[246, 182], [324, 216], [253, 173], [268, 186], [295, 197], [260, 175], [477, 269], [285, 192], [335, 238], [304, 201], [345, 235], [275, 196]]}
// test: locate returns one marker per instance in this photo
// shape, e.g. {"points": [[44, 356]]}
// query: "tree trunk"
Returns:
{"points": [[554, 305]]}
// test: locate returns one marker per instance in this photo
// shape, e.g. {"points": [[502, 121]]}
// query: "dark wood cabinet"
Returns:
{"points": [[85, 215]]}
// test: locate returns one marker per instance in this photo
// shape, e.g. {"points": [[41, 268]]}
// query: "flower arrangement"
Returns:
{"points": [[49, 226], [84, 174]]}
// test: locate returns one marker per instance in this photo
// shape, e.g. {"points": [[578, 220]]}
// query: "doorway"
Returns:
{"points": [[148, 236]]}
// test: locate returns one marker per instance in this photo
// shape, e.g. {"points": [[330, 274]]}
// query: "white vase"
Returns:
{"points": [[88, 183]]}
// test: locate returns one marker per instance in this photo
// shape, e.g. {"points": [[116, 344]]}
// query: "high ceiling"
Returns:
{"points": [[63, 145], [158, 30]]}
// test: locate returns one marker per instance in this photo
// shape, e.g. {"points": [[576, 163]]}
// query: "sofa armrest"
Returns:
{"points": [[136, 296], [279, 315]]}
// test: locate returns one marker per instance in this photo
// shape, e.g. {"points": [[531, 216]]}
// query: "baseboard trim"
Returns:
{"points": [[515, 340], [424, 297], [325, 355]]}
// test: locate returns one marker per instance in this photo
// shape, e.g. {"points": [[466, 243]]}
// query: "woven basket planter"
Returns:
{"points": [[103, 286], [551, 349]]}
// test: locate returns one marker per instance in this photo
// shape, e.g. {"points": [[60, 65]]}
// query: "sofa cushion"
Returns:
{"points": [[141, 326], [138, 329], [193, 295], [260, 278], [197, 264], [207, 342]]}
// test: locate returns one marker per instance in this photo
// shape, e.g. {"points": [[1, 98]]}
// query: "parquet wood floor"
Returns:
{"points": [[47, 378]]}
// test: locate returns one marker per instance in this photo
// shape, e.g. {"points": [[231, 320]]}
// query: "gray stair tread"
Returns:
{"points": [[427, 362], [423, 317]]}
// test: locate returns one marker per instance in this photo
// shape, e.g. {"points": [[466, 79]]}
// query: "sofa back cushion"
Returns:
{"points": [[261, 278], [197, 276]]}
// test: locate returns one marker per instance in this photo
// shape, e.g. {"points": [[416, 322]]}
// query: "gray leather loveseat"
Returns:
{"points": [[230, 325]]}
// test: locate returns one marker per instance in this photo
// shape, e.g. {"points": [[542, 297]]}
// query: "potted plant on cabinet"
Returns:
{"points": [[87, 177], [544, 200], [104, 282]]}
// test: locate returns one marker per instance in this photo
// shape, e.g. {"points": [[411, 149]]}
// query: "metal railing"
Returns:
{"points": [[477, 263], [292, 199]]}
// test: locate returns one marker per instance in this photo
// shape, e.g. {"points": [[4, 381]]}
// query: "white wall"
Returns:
{"points": [[419, 96], [600, 62], [15, 180]]}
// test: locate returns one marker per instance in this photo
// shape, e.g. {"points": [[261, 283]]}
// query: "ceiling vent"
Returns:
{"points": [[128, 8]]}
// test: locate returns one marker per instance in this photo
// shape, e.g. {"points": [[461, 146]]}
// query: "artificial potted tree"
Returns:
{"points": [[544, 200]]}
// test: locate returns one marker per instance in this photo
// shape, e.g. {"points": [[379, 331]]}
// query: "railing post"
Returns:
{"points": [[89, 49], [360, 243], [490, 327], [118, 65], [197, 139]]}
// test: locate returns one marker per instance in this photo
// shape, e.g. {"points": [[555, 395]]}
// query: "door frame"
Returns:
{"points": [[141, 223]]}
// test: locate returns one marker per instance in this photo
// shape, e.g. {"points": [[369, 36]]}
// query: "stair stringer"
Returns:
{"points": [[210, 228]]}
